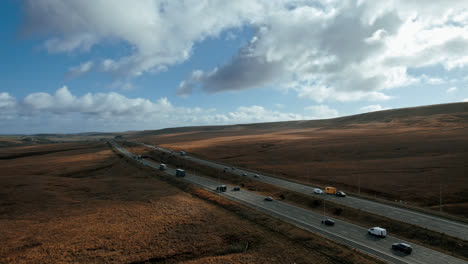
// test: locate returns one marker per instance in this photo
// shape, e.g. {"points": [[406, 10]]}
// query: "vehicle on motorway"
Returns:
{"points": [[330, 190], [237, 188], [268, 198], [377, 231], [162, 166], [182, 153], [402, 247], [180, 173], [340, 194], [318, 191], [244, 174], [256, 176], [328, 222], [221, 188]]}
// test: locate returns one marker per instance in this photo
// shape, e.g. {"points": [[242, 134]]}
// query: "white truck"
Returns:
{"points": [[377, 231]]}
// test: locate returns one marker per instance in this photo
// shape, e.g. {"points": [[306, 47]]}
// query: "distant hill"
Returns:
{"points": [[457, 111]]}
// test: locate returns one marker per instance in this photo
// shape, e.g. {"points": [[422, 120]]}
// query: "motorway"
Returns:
{"points": [[342, 232], [439, 224]]}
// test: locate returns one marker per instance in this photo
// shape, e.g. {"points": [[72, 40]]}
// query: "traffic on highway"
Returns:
{"points": [[386, 247], [435, 223]]}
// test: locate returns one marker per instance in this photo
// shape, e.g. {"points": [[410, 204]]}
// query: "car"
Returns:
{"points": [[318, 191], [268, 198], [221, 188], [256, 176], [402, 247], [237, 188], [377, 231], [328, 222], [244, 174], [340, 194]]}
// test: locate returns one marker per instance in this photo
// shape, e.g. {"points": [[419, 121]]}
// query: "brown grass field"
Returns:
{"points": [[411, 155], [82, 203]]}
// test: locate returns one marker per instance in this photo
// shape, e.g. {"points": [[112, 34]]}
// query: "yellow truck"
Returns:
{"points": [[330, 190]]}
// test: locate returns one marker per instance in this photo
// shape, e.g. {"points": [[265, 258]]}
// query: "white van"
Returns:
{"points": [[377, 231]]}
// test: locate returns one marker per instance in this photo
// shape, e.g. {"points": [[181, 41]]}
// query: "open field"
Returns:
{"points": [[411, 156], [83, 203]]}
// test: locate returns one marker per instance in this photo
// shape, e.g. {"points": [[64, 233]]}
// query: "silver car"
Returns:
{"points": [[318, 191]]}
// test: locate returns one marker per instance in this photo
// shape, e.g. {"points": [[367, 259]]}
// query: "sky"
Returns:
{"points": [[110, 65]]}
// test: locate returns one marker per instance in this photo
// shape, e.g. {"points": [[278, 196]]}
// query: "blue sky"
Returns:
{"points": [[77, 66]]}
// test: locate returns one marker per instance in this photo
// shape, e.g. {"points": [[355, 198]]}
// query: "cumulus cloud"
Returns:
{"points": [[160, 33], [79, 70], [65, 112], [373, 108], [346, 50], [323, 50], [322, 111], [451, 90], [7, 106], [431, 80]]}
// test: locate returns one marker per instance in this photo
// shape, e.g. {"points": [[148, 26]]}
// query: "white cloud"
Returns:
{"points": [[373, 108], [65, 112], [159, 33], [7, 106], [451, 90], [465, 100], [331, 50], [79, 70], [345, 51], [321, 111], [431, 80], [278, 105], [256, 114]]}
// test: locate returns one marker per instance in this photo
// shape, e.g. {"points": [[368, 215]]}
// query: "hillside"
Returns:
{"points": [[405, 154], [457, 111]]}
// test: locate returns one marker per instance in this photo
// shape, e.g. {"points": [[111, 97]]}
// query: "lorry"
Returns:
{"points": [[162, 166], [330, 190], [377, 231], [180, 173]]}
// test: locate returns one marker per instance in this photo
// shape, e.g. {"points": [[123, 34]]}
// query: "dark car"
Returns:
{"points": [[340, 194], [328, 222], [255, 175], [237, 188], [268, 198], [403, 247]]}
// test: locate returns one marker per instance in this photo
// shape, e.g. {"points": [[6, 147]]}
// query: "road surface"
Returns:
{"points": [[439, 224], [343, 232]]}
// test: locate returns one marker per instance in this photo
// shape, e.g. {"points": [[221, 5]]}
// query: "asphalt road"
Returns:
{"points": [[439, 224], [343, 232]]}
